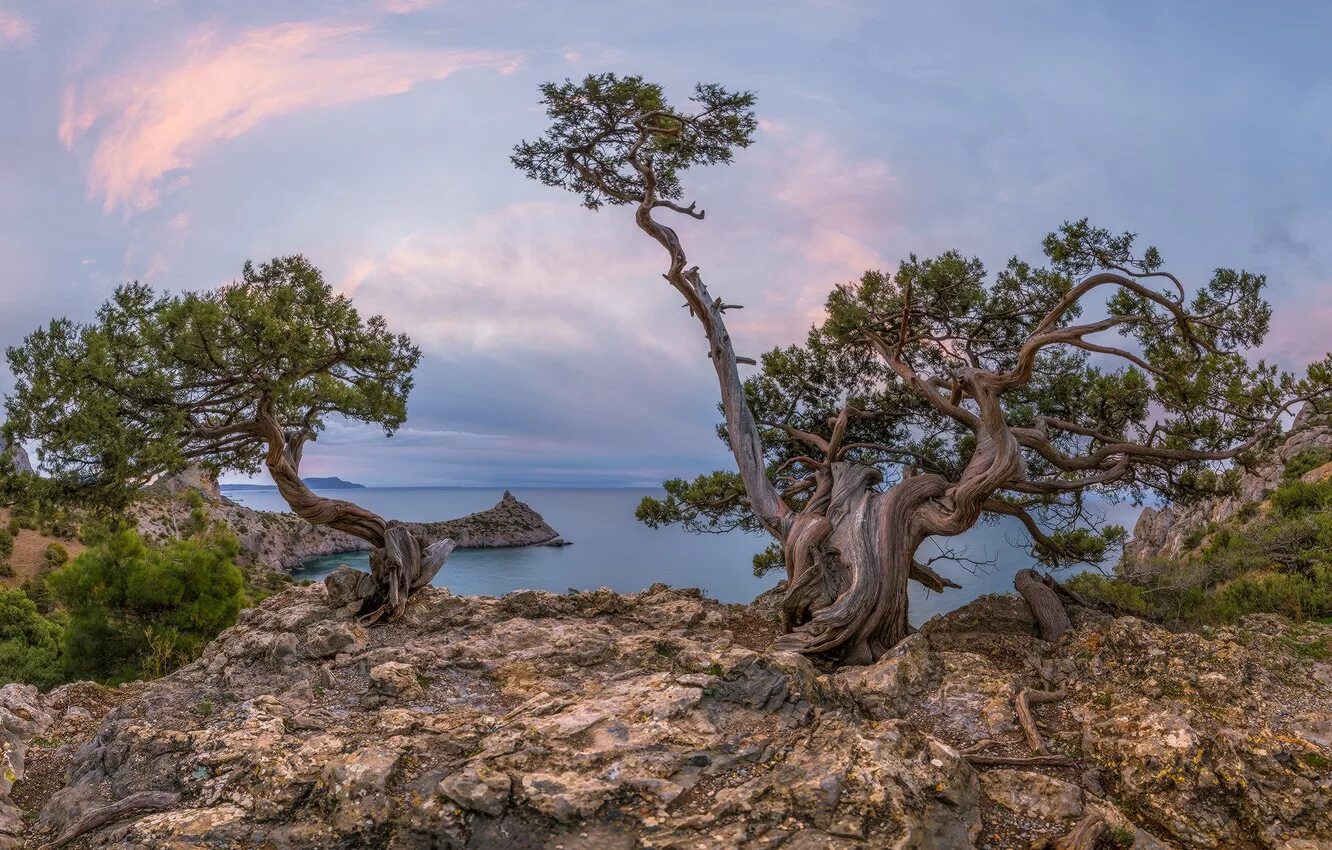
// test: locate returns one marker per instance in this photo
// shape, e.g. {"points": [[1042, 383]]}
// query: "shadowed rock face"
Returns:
{"points": [[600, 720]]}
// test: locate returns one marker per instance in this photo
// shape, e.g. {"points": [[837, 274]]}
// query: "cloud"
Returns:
{"points": [[149, 123], [529, 275], [406, 7], [802, 215], [15, 30]]}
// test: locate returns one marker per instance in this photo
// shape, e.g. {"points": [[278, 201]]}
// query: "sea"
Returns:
{"points": [[612, 549]]}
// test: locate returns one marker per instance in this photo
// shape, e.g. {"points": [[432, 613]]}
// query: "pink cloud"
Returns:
{"points": [[1298, 337], [14, 29], [823, 215], [162, 115], [524, 276]]}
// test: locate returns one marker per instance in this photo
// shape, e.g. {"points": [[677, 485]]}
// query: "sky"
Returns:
{"points": [[168, 142]]}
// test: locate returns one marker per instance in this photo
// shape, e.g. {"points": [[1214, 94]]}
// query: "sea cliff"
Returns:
{"points": [[284, 541]]}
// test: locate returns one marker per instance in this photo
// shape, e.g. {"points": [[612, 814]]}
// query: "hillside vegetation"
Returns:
{"points": [[1270, 556]]}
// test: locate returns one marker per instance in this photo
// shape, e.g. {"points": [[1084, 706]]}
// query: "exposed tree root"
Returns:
{"points": [[980, 746], [1041, 757], [1045, 604], [134, 804], [1023, 703], [1085, 835]]}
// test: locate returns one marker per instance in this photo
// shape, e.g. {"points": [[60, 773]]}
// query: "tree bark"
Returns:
{"points": [[400, 562], [1045, 605], [849, 568]]}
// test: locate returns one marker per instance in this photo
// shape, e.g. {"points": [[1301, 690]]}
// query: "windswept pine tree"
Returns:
{"points": [[236, 378], [937, 395]]}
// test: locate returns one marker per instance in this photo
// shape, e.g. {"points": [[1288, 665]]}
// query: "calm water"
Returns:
{"points": [[612, 549]]}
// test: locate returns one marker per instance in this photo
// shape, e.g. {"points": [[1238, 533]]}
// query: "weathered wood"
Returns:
{"points": [[1023, 703], [398, 564], [1051, 617], [134, 804], [1085, 834]]}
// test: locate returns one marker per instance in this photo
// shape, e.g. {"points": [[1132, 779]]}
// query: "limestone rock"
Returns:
{"points": [[1162, 532], [1033, 795], [396, 679], [285, 541], [603, 720], [327, 638]]}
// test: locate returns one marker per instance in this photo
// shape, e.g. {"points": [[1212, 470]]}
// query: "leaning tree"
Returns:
{"points": [[228, 379], [935, 396]]}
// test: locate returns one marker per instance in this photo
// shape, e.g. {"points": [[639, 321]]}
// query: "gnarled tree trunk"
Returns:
{"points": [[1045, 604], [400, 562]]}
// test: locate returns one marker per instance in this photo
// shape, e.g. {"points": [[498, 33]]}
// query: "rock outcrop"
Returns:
{"points": [[660, 719], [509, 523], [192, 479], [1164, 532], [285, 541], [17, 456]]}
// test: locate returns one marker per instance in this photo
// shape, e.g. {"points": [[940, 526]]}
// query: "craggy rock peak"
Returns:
{"points": [[1161, 532], [194, 478], [17, 454], [285, 541], [658, 720]]}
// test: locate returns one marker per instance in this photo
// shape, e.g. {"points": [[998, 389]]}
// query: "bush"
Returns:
{"points": [[38, 592], [1297, 496], [13, 526], [29, 642], [1117, 592], [55, 556], [1305, 461], [141, 611], [1293, 595], [6, 543]]}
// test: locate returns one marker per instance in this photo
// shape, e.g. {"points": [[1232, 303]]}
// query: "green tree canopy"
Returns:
{"points": [[138, 610], [229, 379], [29, 642], [158, 380]]}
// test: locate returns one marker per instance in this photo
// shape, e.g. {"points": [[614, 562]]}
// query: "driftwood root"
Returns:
{"points": [[135, 804]]}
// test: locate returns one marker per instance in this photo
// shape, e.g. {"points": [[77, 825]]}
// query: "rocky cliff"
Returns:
{"points": [[285, 541], [660, 719], [1163, 532], [17, 455]]}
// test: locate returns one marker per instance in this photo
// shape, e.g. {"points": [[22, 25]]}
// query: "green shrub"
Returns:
{"points": [[1117, 592], [13, 526], [141, 611], [1294, 497], [29, 642], [55, 556], [6, 569], [6, 543], [1305, 461], [1293, 595]]}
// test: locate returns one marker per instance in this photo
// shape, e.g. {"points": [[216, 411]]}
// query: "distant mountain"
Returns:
{"points": [[331, 483]]}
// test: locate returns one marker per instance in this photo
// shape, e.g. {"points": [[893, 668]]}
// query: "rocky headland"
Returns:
{"points": [[283, 541], [662, 720]]}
